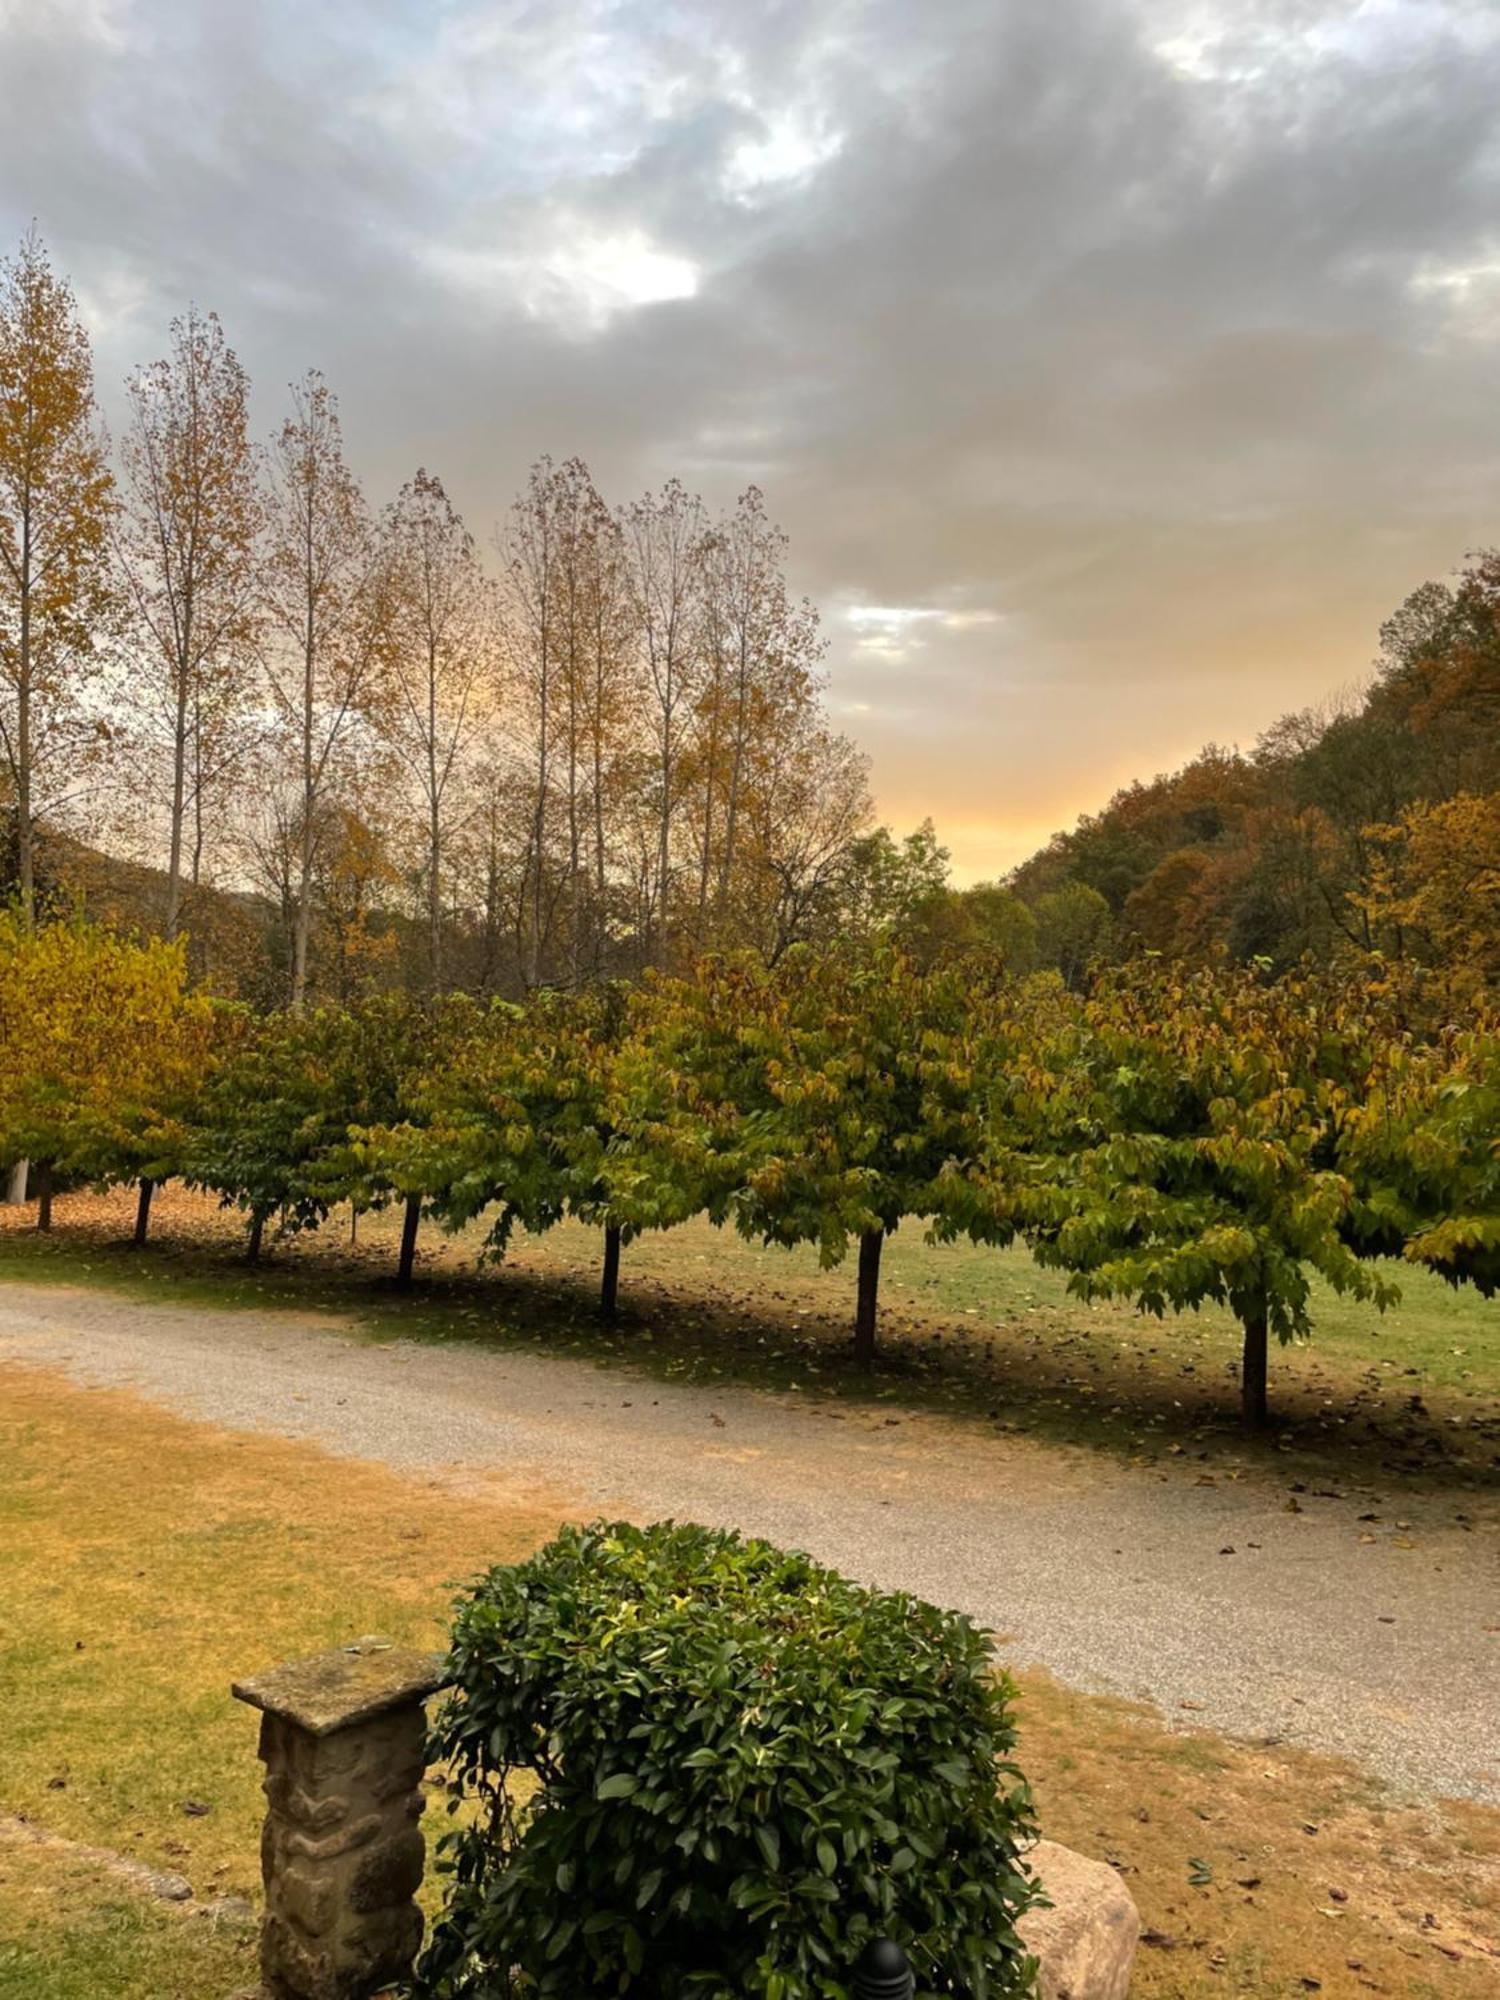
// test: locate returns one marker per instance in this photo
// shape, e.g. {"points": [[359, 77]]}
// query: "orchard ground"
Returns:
{"points": [[1412, 1394], [147, 1558]]}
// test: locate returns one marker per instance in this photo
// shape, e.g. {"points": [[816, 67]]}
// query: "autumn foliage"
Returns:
{"points": [[1169, 1137]]}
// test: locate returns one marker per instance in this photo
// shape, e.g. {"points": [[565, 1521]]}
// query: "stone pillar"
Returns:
{"points": [[343, 1740]]}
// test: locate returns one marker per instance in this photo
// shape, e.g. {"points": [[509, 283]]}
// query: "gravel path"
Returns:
{"points": [[1377, 1641]]}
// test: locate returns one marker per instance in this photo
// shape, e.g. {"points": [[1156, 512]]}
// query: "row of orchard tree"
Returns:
{"points": [[1165, 1137]]}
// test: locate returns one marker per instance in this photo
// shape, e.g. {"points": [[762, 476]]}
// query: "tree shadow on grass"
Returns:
{"points": [[1096, 1378]]}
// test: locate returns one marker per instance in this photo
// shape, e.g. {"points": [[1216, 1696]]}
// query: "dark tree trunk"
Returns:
{"points": [[869, 1289], [257, 1231], [409, 1240], [609, 1289], [44, 1194], [1253, 1408], [143, 1212]]}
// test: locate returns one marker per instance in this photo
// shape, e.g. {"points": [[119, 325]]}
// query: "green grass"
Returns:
{"points": [[73, 1936], [987, 1335]]}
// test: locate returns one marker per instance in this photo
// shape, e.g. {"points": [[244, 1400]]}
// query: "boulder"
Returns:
{"points": [[1086, 1941]]}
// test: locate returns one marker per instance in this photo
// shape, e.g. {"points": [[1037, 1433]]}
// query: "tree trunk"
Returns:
{"points": [[869, 1287], [179, 805], [15, 1192], [44, 1194], [309, 784], [143, 1212], [25, 829], [609, 1289], [409, 1241], [257, 1231], [300, 930], [1253, 1408]]}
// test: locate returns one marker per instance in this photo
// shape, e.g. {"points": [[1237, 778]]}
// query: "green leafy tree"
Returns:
{"points": [[560, 1108], [853, 1084], [956, 923], [1172, 1139], [1423, 1152], [279, 1133], [1072, 928]]}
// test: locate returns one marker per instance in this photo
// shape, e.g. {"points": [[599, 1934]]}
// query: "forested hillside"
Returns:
{"points": [[1369, 824]]}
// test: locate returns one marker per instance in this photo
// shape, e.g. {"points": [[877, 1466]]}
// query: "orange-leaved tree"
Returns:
{"points": [[56, 503]]}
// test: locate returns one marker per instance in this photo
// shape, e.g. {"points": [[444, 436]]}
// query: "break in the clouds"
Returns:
{"points": [[1115, 367]]}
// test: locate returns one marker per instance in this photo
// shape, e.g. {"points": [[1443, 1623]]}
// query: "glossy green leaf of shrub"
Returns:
{"points": [[701, 1766]]}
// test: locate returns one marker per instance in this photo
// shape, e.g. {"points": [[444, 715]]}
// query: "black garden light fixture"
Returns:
{"points": [[883, 1972]]}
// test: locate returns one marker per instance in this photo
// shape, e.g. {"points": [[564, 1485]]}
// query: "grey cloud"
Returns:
{"points": [[1161, 332]]}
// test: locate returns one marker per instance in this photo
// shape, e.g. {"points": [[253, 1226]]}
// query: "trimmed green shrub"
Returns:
{"points": [[701, 1766]]}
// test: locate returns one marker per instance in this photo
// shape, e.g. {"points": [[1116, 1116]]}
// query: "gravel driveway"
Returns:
{"points": [[1374, 1640]]}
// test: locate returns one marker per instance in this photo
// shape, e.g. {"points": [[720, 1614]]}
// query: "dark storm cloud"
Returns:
{"points": [[1115, 367]]}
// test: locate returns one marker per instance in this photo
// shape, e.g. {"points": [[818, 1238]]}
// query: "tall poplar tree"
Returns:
{"points": [[440, 649], [56, 501], [326, 606], [664, 541], [188, 553]]}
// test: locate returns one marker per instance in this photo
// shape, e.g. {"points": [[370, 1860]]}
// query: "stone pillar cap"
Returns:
{"points": [[353, 1683]]}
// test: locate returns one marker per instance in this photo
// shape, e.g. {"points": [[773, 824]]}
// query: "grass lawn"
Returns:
{"points": [[145, 1560], [1413, 1394]]}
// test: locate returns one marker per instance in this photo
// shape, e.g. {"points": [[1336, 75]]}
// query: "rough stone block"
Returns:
{"points": [[388, 1873], [1086, 1941]]}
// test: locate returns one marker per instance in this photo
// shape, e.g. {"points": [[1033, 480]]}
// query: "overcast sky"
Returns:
{"points": [[1115, 365]]}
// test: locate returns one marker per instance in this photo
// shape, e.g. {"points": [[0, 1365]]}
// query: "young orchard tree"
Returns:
{"points": [[56, 504], [279, 1132], [853, 1089], [139, 1126], [510, 1118], [77, 1094], [608, 1102], [1421, 1150], [1172, 1138], [188, 554], [441, 673], [326, 622]]}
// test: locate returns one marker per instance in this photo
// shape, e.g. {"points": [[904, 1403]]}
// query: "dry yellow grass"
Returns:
{"points": [[144, 1560], [1317, 1881]]}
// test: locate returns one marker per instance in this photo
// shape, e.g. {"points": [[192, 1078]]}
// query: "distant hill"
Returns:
{"points": [[1371, 825]]}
